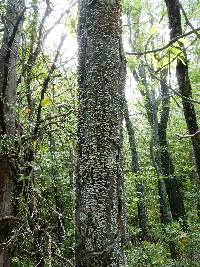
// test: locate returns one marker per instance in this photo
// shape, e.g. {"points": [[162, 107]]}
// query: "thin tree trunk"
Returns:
{"points": [[184, 83], [8, 59], [5, 209], [155, 150], [142, 218], [164, 166], [99, 205], [165, 212], [172, 184]]}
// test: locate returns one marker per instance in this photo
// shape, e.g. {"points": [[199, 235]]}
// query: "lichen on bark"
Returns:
{"points": [[99, 215]]}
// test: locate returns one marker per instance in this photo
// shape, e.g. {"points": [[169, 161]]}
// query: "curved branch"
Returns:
{"points": [[165, 46]]}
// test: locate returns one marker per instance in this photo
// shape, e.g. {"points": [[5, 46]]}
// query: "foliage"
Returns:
{"points": [[43, 194]]}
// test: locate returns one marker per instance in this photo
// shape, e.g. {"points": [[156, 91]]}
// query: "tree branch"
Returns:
{"points": [[187, 20], [188, 135], [45, 86], [166, 46]]}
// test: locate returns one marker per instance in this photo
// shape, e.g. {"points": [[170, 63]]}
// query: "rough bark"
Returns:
{"points": [[8, 60], [184, 83], [99, 206], [135, 168]]}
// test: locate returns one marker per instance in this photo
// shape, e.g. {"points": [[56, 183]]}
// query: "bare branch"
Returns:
{"points": [[187, 20], [45, 86], [188, 135], [166, 46], [59, 19]]}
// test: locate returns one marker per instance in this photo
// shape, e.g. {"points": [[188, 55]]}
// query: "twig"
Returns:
{"points": [[187, 20], [63, 259], [188, 135], [166, 46], [59, 19], [45, 86]]}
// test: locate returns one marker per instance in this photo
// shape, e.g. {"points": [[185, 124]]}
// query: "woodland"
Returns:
{"points": [[99, 133]]}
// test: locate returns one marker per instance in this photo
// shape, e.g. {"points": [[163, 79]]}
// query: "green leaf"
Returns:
{"points": [[72, 24], [132, 62], [45, 102], [155, 63], [165, 61], [37, 190], [181, 58]]}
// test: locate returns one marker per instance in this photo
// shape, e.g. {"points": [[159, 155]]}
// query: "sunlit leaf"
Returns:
{"points": [[132, 62], [45, 102], [153, 30]]}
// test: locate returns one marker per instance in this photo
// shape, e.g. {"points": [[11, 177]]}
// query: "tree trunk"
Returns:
{"points": [[99, 206], [8, 59], [156, 156], [172, 184], [155, 150], [5, 209], [184, 83], [142, 218]]}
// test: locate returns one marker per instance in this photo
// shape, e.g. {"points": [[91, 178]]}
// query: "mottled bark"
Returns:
{"points": [[99, 206], [8, 59], [142, 218], [184, 83]]}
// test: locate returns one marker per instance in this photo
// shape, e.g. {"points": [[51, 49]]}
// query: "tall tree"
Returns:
{"points": [[151, 109], [185, 88], [99, 214], [172, 184], [135, 168], [8, 60]]}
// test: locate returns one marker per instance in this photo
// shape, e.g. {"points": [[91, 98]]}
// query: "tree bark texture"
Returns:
{"points": [[184, 83], [8, 60], [99, 206]]}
